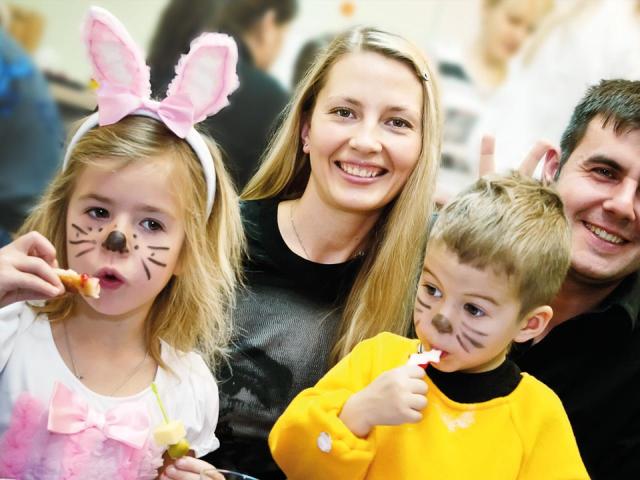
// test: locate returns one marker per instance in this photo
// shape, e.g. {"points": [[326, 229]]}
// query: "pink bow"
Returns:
{"points": [[176, 111], [69, 413]]}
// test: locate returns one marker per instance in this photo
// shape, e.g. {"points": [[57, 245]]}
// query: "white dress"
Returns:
{"points": [[31, 369]]}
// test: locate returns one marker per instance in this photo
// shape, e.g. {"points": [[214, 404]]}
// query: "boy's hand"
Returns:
{"points": [[189, 468], [26, 270], [397, 396]]}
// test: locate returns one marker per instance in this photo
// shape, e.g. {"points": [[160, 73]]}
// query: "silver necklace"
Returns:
{"points": [[81, 377], [296, 232], [359, 253]]}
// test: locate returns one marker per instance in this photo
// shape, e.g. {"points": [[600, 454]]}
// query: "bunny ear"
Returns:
{"points": [[118, 63], [207, 74]]}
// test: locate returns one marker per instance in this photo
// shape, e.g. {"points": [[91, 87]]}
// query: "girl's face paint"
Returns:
{"points": [[468, 313], [125, 227]]}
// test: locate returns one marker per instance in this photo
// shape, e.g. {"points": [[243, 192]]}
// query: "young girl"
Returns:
{"points": [[143, 204]]}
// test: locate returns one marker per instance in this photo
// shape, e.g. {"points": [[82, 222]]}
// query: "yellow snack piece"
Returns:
{"points": [[180, 449], [169, 433]]}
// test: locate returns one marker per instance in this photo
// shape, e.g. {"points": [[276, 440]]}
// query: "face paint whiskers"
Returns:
{"points": [[153, 260], [82, 241]]}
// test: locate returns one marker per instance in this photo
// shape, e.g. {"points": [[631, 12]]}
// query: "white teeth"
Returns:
{"points": [[363, 172], [600, 233]]}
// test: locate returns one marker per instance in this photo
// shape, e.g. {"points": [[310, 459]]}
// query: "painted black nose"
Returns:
{"points": [[116, 242], [442, 324]]}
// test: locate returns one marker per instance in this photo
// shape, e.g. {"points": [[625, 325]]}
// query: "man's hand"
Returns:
{"points": [[540, 150]]}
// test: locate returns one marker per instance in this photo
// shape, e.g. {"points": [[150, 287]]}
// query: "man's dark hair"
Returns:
{"points": [[616, 101]]}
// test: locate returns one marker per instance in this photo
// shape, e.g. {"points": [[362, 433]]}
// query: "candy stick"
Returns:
{"points": [[154, 389], [172, 433], [424, 358]]}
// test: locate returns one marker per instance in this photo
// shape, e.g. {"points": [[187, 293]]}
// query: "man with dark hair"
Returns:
{"points": [[590, 352]]}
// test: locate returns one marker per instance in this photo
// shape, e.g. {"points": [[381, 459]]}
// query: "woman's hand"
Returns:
{"points": [[395, 397], [26, 270], [189, 468]]}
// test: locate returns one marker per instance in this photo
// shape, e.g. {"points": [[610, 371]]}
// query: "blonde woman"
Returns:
{"points": [[582, 43], [470, 76], [335, 220]]}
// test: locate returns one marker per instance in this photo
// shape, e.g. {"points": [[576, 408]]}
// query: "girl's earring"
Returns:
{"points": [[305, 147]]}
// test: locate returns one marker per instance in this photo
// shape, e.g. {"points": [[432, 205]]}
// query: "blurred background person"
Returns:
{"points": [[180, 22], [470, 76], [259, 27], [580, 44], [307, 54], [31, 132]]}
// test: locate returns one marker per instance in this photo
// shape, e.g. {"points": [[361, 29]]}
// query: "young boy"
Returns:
{"points": [[495, 259]]}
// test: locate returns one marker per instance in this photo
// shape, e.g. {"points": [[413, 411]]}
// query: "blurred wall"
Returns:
{"points": [[61, 51], [423, 21]]}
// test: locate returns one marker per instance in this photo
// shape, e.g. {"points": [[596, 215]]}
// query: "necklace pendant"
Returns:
{"points": [[79, 377]]}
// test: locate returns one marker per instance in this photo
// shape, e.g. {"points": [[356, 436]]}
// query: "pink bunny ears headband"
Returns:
{"points": [[204, 79]]}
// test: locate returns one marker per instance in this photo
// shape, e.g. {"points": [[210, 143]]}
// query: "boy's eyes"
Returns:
{"points": [[473, 310], [433, 291], [470, 308]]}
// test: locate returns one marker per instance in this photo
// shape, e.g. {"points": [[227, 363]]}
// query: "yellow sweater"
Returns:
{"points": [[524, 435]]}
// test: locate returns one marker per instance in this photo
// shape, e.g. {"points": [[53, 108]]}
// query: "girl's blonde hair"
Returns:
{"points": [[193, 309], [381, 298]]}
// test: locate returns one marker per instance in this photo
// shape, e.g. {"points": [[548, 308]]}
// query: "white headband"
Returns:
{"points": [[193, 138]]}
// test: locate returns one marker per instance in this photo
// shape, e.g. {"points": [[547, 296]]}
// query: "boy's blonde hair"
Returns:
{"points": [[514, 225], [193, 309], [380, 299]]}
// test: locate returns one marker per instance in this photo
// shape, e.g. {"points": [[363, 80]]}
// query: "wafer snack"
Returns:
{"points": [[79, 283]]}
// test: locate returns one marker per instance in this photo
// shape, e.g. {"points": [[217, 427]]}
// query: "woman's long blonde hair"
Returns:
{"points": [[381, 298], [193, 309]]}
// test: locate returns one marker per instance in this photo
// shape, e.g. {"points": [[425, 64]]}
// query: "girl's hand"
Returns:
{"points": [[26, 270], [189, 468], [397, 396]]}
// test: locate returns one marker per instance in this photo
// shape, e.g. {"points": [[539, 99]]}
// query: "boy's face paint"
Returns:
{"points": [[468, 313], [125, 227]]}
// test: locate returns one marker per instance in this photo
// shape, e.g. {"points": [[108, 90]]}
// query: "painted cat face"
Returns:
{"points": [[125, 227], [470, 314]]}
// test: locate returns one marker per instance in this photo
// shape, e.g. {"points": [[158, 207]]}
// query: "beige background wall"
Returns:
{"points": [[424, 21]]}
